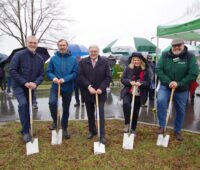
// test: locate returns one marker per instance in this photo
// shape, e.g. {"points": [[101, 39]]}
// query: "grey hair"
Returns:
{"points": [[93, 46], [31, 37]]}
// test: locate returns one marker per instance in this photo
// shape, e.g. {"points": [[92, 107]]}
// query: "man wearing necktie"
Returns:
{"points": [[94, 76]]}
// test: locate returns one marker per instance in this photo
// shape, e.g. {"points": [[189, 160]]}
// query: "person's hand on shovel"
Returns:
{"points": [[91, 90], [31, 85], [58, 81], [99, 91], [135, 83], [173, 84]]}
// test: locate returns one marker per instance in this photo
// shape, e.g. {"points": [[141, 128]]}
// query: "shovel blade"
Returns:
{"points": [[99, 148], [56, 137], [128, 141], [32, 147], [159, 140], [165, 141]]}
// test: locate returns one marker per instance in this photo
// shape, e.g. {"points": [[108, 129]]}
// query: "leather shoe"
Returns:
{"points": [[91, 135], [103, 140], [53, 126], [66, 135], [27, 137], [178, 136], [160, 130]]}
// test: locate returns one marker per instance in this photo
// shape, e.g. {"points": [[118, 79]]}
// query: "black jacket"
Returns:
{"points": [[26, 67], [97, 77], [144, 88]]}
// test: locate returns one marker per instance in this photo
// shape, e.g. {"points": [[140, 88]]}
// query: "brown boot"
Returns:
{"points": [[160, 130], [178, 136]]}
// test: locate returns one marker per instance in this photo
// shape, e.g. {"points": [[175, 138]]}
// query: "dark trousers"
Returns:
{"points": [[127, 110], [8, 84], [21, 95], [53, 104], [90, 107], [76, 91], [34, 97], [2, 84]]}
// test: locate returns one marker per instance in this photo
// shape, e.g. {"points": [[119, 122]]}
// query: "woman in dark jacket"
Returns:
{"points": [[137, 74]]}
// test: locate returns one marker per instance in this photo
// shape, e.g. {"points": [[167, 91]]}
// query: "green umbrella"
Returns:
{"points": [[129, 45]]}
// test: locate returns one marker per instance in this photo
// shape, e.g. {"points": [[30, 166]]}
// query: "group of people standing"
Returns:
{"points": [[175, 69]]}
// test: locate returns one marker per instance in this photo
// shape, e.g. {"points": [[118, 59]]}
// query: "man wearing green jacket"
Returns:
{"points": [[175, 69]]}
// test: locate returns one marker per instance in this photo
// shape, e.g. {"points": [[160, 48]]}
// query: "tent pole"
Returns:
{"points": [[157, 51]]}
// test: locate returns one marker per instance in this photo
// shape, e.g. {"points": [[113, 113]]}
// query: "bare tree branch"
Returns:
{"points": [[19, 18]]}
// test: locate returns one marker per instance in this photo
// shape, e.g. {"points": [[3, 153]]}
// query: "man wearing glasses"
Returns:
{"points": [[94, 76], [175, 69]]}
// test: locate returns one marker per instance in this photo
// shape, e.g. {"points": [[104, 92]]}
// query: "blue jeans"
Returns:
{"points": [[180, 101], [21, 95], [53, 103]]}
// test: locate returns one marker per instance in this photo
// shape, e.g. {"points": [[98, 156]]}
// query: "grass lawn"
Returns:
{"points": [[77, 153]]}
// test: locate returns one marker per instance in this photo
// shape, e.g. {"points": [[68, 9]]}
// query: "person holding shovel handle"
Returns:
{"points": [[176, 69], [137, 74], [94, 76], [62, 69], [27, 72]]}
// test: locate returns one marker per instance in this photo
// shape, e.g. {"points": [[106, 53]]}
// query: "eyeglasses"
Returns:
{"points": [[177, 45]]}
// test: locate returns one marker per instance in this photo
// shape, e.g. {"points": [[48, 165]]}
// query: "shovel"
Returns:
{"points": [[99, 148], [128, 140], [56, 135], [32, 146], [164, 140]]}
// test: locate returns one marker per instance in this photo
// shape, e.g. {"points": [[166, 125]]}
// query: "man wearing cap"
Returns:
{"points": [[175, 69]]}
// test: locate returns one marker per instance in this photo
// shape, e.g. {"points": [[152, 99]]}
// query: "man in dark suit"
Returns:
{"points": [[94, 76]]}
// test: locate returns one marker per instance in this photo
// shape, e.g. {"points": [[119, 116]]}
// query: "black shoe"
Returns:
{"points": [[77, 105], [178, 136], [91, 135], [82, 104], [66, 134], [27, 137], [103, 140], [53, 126], [133, 132], [160, 130]]}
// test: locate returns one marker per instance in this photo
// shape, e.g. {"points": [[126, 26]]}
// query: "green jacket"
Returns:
{"points": [[182, 69]]}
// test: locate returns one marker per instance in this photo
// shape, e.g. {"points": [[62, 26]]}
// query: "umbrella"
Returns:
{"points": [[40, 51], [3, 57], [127, 45], [78, 50], [191, 48]]}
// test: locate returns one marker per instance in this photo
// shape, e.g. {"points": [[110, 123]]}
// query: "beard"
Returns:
{"points": [[178, 52]]}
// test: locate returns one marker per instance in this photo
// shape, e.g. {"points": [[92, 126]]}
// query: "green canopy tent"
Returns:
{"points": [[187, 28]]}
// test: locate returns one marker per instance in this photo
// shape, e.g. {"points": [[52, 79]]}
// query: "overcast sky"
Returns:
{"points": [[101, 21]]}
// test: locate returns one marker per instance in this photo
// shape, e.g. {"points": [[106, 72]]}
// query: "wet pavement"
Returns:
{"points": [[113, 109]]}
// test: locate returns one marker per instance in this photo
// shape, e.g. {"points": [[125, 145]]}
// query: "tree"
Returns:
{"points": [[42, 18]]}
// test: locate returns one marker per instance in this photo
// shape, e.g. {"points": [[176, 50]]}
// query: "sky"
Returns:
{"points": [[102, 21]]}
